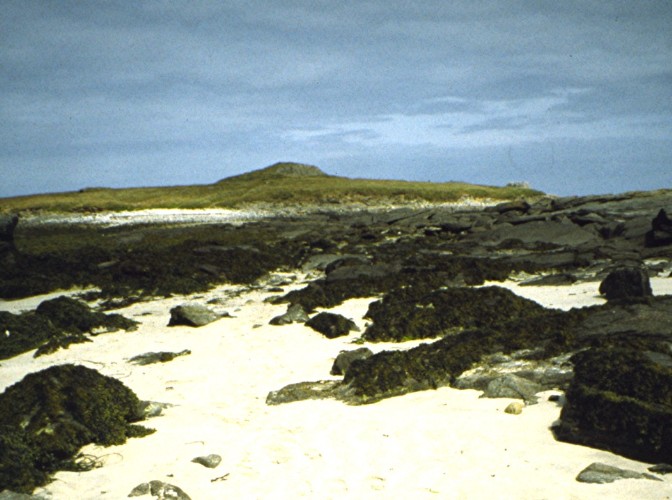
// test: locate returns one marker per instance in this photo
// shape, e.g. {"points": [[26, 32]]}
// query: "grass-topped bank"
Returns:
{"points": [[282, 184]]}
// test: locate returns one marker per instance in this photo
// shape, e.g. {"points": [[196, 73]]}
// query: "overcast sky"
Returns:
{"points": [[574, 97]]}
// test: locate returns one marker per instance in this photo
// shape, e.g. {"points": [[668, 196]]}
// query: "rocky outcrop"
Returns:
{"points": [[620, 400], [49, 415], [415, 312]]}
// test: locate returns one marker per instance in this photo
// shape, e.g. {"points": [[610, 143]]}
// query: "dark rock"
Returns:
{"points": [[331, 325], [295, 314], [626, 283], [599, 473], [49, 415], [661, 469], [620, 400], [149, 358], [192, 315], [210, 461], [345, 359], [302, 391], [552, 233], [661, 231]]}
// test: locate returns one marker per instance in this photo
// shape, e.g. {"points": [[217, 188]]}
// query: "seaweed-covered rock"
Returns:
{"points": [[412, 313], [620, 400], [73, 316], [192, 315], [49, 415], [345, 359], [331, 325], [55, 324], [626, 283]]}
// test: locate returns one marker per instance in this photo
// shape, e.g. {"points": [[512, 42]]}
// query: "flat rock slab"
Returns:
{"points": [[599, 473]]}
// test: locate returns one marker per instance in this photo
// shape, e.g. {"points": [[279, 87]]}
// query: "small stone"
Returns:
{"points": [[165, 491], [210, 461], [515, 408]]}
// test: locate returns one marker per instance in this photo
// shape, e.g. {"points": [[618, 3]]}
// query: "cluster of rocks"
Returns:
{"points": [[613, 361]]}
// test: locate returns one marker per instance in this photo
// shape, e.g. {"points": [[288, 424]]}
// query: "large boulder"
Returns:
{"points": [[620, 400], [49, 415], [626, 283]]}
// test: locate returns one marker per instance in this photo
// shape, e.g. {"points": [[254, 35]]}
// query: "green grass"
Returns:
{"points": [[274, 185]]}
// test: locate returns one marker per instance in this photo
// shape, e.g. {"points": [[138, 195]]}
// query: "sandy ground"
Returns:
{"points": [[434, 444]]}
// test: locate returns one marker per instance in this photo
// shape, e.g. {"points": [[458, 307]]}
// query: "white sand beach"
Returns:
{"points": [[445, 443]]}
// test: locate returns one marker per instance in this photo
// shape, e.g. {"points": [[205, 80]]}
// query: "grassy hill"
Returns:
{"points": [[281, 184]]}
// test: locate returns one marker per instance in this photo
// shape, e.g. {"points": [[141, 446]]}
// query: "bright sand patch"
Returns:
{"points": [[433, 444]]}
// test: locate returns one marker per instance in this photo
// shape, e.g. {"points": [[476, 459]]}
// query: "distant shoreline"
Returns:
{"points": [[225, 216]]}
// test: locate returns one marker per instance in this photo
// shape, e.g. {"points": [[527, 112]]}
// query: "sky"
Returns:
{"points": [[573, 97]]}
